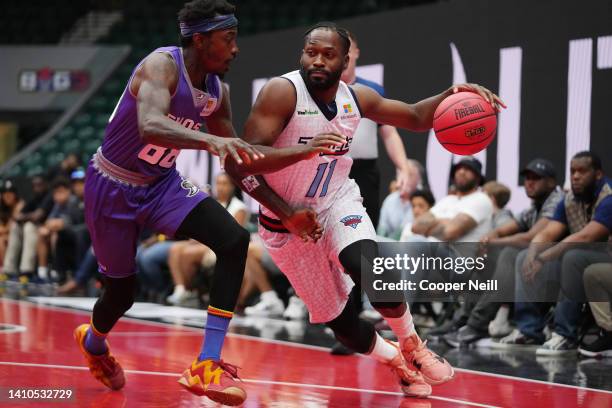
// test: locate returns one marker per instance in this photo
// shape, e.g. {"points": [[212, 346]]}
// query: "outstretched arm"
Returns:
{"points": [[418, 116], [265, 123], [153, 85]]}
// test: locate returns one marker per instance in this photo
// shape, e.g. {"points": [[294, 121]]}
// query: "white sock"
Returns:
{"points": [[383, 351], [179, 290], [43, 272], [502, 314], [402, 326], [269, 295]]}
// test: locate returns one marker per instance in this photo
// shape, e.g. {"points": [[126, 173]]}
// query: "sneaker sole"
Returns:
{"points": [[554, 353], [227, 398], [510, 346], [441, 381], [604, 354]]}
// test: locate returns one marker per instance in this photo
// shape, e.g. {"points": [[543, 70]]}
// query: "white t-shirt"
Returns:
{"points": [[236, 205], [477, 205]]}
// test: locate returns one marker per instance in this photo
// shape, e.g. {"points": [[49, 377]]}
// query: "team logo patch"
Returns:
{"points": [[190, 187], [352, 221]]}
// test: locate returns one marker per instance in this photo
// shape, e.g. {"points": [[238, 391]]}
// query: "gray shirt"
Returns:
{"points": [[527, 218]]}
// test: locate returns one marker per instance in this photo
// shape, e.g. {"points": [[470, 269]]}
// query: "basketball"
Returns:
{"points": [[465, 123]]}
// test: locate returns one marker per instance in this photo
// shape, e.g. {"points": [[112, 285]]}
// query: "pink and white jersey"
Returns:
{"points": [[313, 183]]}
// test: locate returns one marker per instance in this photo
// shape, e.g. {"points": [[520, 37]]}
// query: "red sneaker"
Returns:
{"points": [[435, 369], [411, 381], [104, 367], [215, 379]]}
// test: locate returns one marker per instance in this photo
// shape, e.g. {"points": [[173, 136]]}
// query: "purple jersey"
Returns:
{"points": [[123, 145]]}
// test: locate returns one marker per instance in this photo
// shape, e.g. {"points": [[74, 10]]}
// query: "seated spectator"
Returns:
{"points": [[421, 201], [396, 211], [152, 265], [586, 215], [258, 265], [186, 257], [67, 211], [10, 207], [87, 269], [73, 240], [499, 195], [463, 216], [598, 287], [65, 168], [21, 251], [504, 243]]}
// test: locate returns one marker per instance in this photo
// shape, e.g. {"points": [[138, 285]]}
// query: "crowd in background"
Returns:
{"points": [[45, 239]]}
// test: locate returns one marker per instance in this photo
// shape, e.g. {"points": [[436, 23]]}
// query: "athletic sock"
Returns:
{"points": [[95, 342], [382, 351], [214, 333], [402, 326]]}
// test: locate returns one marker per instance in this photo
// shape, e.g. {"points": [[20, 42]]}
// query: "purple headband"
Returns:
{"points": [[208, 24]]}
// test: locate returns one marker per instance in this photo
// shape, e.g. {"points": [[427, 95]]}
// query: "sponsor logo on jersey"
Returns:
{"points": [[347, 108], [352, 221], [307, 112], [192, 190]]}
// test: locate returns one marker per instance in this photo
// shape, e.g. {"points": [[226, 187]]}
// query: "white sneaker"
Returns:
{"points": [[180, 298], [296, 310], [499, 328], [557, 345], [269, 306]]}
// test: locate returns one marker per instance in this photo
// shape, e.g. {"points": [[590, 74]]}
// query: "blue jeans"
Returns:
{"points": [[150, 263], [564, 277]]}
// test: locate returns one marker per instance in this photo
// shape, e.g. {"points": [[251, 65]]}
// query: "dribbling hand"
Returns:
{"points": [[489, 96]]}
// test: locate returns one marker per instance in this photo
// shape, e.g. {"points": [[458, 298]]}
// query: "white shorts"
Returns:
{"points": [[314, 270]]}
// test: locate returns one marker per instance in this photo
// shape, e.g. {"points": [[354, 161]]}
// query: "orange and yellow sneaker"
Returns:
{"points": [[104, 367], [216, 380], [411, 381], [435, 369]]}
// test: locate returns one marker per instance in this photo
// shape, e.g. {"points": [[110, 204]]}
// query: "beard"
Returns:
{"points": [[586, 195], [320, 84], [467, 186]]}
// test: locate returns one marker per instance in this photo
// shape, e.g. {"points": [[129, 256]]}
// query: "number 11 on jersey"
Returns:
{"points": [[314, 186]]}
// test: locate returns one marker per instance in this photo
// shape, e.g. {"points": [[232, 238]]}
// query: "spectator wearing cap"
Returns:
{"points": [[504, 243], [583, 216], [10, 206], [21, 251], [65, 213], [464, 216], [461, 217]]}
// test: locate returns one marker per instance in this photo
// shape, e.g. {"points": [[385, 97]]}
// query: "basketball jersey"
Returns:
{"points": [[123, 144], [314, 182], [365, 145]]}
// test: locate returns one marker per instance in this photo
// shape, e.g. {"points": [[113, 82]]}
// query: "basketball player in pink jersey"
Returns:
{"points": [[323, 273], [132, 183]]}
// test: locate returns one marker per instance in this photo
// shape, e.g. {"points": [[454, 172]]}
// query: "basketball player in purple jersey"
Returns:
{"points": [[132, 183], [316, 101]]}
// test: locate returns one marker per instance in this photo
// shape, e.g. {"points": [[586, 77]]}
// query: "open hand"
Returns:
{"points": [[489, 96]]}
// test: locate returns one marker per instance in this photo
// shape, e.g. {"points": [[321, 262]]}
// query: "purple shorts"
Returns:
{"points": [[116, 213]]}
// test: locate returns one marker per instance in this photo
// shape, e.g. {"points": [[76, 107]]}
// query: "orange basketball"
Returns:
{"points": [[465, 123]]}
